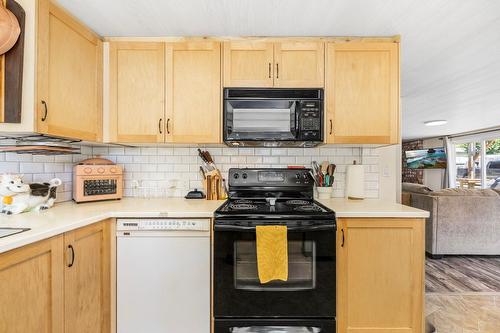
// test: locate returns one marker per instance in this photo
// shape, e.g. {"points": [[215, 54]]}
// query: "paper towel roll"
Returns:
{"points": [[355, 182]]}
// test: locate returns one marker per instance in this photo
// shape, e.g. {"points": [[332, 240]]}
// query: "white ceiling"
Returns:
{"points": [[450, 48]]}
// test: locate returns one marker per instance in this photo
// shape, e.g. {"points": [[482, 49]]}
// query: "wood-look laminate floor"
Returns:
{"points": [[461, 274], [463, 294], [467, 313]]}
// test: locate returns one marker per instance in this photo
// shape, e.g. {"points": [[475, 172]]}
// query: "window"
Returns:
{"points": [[475, 161], [468, 164], [492, 162]]}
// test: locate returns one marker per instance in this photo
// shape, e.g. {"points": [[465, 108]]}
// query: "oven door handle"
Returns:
{"points": [[291, 228]]}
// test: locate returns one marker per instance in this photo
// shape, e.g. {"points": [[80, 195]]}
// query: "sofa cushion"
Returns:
{"points": [[465, 192], [415, 188]]}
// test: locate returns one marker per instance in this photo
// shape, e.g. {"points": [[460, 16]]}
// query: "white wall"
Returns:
{"points": [[174, 170], [389, 164], [433, 178]]}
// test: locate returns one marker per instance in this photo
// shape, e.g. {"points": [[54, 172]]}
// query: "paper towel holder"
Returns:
{"points": [[359, 192]]}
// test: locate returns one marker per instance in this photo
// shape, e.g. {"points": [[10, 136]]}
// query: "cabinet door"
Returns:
{"points": [[193, 92], [299, 64], [69, 76], [362, 93], [31, 288], [248, 64], [380, 275], [137, 92], [87, 283]]}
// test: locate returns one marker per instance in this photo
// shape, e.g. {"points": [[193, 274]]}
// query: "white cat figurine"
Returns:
{"points": [[17, 197]]}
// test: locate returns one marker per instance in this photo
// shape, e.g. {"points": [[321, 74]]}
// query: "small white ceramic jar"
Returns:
{"points": [[324, 192]]}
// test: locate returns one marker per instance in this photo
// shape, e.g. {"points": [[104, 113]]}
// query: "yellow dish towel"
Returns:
{"points": [[272, 253]]}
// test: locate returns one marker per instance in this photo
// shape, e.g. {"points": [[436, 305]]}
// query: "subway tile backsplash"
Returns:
{"points": [[173, 171]]}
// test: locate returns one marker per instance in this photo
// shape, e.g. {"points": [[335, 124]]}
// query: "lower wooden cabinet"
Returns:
{"points": [[57, 285], [380, 275], [87, 279], [31, 288]]}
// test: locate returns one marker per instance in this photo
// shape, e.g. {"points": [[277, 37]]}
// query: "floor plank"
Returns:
{"points": [[463, 274]]}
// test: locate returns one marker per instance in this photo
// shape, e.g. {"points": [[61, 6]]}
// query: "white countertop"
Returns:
{"points": [[68, 216]]}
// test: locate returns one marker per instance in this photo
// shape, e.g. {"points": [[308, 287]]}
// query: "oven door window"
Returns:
{"points": [[301, 268], [275, 329], [254, 120]]}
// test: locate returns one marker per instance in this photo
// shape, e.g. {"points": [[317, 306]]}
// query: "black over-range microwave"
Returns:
{"points": [[273, 117]]}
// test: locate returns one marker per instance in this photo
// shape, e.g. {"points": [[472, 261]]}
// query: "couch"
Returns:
{"points": [[461, 222]]}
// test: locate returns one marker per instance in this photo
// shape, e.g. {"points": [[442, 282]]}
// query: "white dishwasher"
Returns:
{"points": [[163, 275]]}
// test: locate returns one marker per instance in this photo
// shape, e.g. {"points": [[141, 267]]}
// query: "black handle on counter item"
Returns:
{"points": [[159, 125], [226, 227], [168, 130], [46, 111], [72, 255], [331, 126], [343, 240], [269, 70]]}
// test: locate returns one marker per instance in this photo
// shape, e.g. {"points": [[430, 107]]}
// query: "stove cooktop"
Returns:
{"points": [[281, 208]]}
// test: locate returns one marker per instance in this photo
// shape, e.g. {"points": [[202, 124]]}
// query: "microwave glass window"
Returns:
{"points": [[301, 267], [261, 120], [275, 329]]}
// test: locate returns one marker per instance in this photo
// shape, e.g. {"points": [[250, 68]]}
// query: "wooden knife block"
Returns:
{"points": [[214, 188]]}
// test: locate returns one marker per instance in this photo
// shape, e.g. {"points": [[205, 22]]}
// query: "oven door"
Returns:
{"points": [[258, 120], [309, 291], [274, 326]]}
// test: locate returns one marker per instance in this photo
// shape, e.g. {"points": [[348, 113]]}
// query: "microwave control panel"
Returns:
{"points": [[310, 120]]}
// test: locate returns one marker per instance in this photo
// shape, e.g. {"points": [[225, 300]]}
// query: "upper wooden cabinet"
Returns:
{"points": [[380, 275], [136, 92], [248, 64], [31, 292], [69, 76], [299, 64], [292, 64], [362, 92], [165, 92], [193, 92]]}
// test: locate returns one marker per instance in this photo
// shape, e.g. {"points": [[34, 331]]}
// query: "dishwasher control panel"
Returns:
{"points": [[163, 224]]}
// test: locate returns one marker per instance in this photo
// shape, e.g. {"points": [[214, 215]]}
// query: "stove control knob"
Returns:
{"points": [[244, 176], [297, 175], [236, 176], [305, 176]]}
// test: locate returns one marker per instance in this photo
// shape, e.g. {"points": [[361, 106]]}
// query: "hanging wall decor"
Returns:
{"points": [[12, 19]]}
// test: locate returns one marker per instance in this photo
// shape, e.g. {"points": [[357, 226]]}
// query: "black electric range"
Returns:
{"points": [[306, 301]]}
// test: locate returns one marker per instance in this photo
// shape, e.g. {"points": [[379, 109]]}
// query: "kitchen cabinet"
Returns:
{"points": [[137, 92], [57, 285], [69, 76], [362, 92], [380, 275], [193, 81], [274, 64], [31, 288], [299, 64], [87, 283], [248, 64], [164, 92]]}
